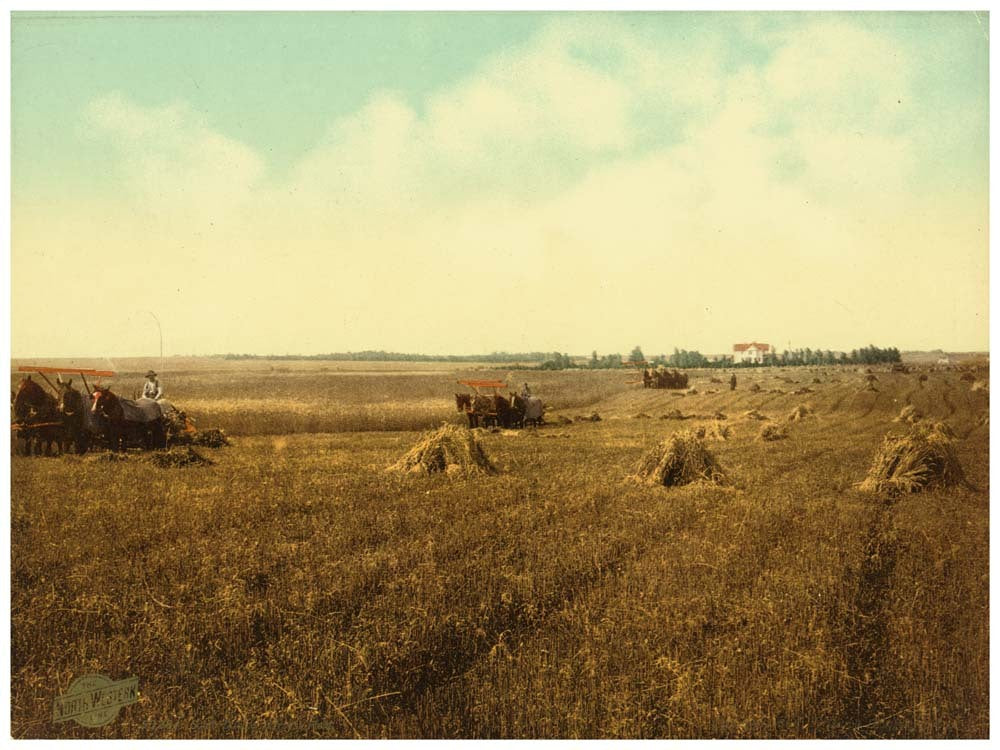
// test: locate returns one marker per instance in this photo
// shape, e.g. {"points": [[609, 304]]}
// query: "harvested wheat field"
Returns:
{"points": [[295, 588]]}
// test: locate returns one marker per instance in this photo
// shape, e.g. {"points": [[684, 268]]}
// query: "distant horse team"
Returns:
{"points": [[48, 425], [498, 411], [660, 377]]}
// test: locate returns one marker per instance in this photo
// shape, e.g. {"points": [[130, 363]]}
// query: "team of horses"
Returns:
{"points": [[75, 422], [498, 411], [660, 377], [44, 423]]}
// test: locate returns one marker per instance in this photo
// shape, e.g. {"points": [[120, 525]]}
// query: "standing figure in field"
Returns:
{"points": [[732, 382], [525, 392], [151, 388]]}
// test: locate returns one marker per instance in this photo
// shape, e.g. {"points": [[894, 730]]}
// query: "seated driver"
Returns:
{"points": [[151, 388]]}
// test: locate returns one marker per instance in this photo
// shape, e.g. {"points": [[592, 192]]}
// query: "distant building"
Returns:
{"points": [[752, 352]]}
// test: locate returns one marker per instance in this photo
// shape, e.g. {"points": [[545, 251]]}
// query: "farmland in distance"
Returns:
{"points": [[296, 589]]}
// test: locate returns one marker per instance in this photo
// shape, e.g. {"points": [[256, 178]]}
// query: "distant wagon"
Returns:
{"points": [[661, 377], [486, 406]]}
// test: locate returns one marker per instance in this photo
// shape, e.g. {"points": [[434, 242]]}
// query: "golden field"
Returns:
{"points": [[296, 589]]}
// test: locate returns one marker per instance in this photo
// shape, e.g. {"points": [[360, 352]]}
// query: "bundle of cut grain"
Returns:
{"points": [[673, 414], [800, 412], [719, 415], [712, 431], [802, 391], [680, 459], [909, 413], [715, 380], [563, 420], [980, 385], [923, 458], [450, 449], [754, 414], [754, 387], [178, 457], [106, 457], [967, 377], [641, 415], [771, 432], [210, 438]]}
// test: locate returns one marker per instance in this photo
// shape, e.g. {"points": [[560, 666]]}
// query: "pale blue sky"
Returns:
{"points": [[842, 147]]}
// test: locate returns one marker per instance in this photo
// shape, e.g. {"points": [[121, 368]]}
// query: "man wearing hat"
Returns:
{"points": [[151, 388]]}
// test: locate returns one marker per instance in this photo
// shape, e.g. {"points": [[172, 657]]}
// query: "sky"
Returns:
{"points": [[280, 183]]}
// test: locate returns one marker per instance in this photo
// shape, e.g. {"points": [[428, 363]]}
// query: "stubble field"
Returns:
{"points": [[296, 589]]}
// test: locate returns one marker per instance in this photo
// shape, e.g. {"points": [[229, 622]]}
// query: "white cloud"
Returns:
{"points": [[592, 188], [171, 156]]}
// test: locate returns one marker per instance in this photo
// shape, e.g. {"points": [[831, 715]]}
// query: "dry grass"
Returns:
{"points": [[296, 589]]}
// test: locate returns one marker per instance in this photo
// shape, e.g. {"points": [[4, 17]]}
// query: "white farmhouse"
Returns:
{"points": [[752, 352]]}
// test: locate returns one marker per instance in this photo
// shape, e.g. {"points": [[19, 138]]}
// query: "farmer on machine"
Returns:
{"points": [[151, 388]]}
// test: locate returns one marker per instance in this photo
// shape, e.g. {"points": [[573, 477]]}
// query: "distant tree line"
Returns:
{"points": [[684, 359], [383, 356], [866, 355], [681, 358]]}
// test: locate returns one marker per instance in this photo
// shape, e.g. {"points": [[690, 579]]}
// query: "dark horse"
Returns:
{"points": [[505, 415], [75, 417], [492, 410], [124, 420], [38, 418], [476, 407]]}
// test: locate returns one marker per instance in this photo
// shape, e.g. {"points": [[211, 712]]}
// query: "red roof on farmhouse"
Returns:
{"points": [[744, 347]]}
